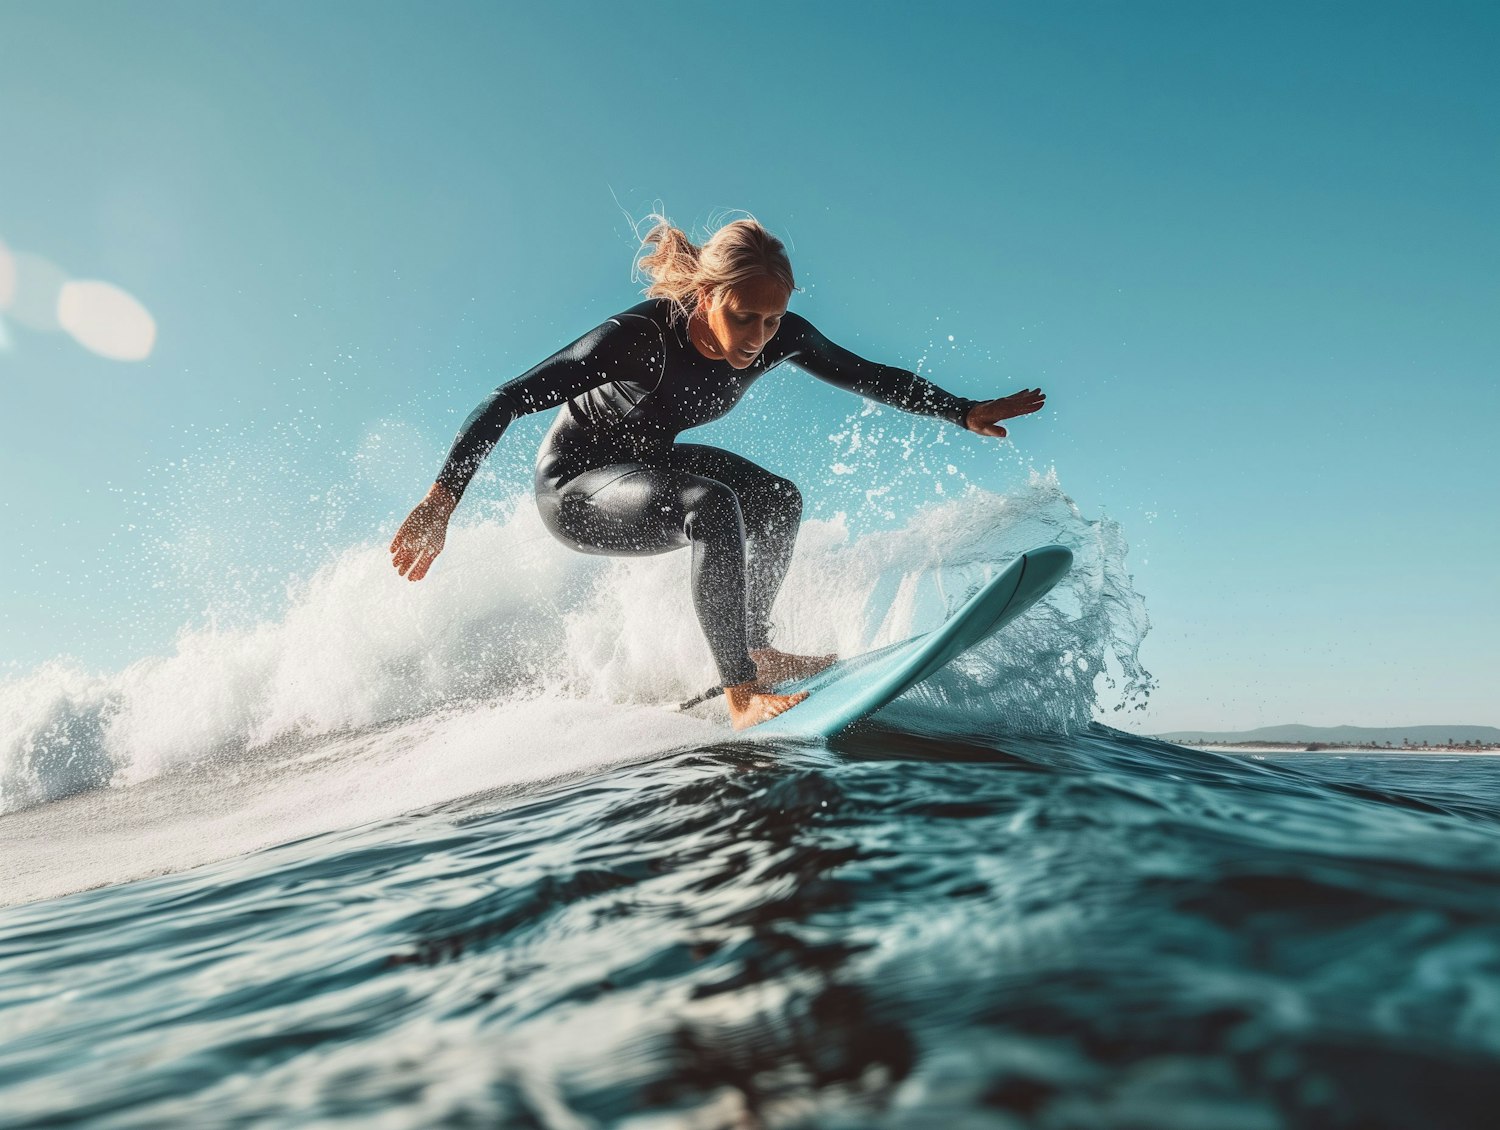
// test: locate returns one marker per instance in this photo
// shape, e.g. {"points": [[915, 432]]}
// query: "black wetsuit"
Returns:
{"points": [[612, 479]]}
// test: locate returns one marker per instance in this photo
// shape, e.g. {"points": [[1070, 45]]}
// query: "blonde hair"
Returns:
{"points": [[736, 253]]}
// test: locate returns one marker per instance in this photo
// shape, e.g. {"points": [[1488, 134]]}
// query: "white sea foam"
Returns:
{"points": [[518, 659], [277, 794], [510, 614]]}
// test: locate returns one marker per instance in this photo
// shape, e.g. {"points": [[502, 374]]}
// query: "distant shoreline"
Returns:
{"points": [[1331, 747], [1428, 738]]}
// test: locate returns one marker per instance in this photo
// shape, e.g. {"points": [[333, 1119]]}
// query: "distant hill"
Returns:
{"points": [[1416, 735]]}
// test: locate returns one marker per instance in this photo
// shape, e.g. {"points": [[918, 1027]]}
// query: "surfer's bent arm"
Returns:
{"points": [[897, 387], [618, 349]]}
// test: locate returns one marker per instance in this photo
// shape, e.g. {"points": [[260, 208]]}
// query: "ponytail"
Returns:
{"points": [[681, 271]]}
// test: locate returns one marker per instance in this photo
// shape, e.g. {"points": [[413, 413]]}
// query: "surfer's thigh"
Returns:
{"points": [[762, 494], [637, 508]]}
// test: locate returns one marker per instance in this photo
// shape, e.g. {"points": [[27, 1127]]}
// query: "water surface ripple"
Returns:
{"points": [[1094, 930]]}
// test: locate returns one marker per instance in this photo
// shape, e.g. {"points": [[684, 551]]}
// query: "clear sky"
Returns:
{"points": [[1249, 250]]}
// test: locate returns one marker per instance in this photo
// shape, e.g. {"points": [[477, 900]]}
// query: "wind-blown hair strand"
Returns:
{"points": [[680, 270]]}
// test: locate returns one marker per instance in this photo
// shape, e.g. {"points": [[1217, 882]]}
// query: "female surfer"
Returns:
{"points": [[611, 477]]}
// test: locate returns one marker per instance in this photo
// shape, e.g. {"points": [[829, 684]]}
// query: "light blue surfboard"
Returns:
{"points": [[854, 688]]}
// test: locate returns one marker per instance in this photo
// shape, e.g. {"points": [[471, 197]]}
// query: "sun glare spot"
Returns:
{"points": [[38, 282], [7, 277], [105, 319]]}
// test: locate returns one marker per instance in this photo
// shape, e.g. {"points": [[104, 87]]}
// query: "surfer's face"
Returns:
{"points": [[745, 318]]}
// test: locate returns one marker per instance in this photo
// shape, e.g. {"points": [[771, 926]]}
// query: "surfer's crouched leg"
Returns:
{"points": [[630, 509], [771, 510]]}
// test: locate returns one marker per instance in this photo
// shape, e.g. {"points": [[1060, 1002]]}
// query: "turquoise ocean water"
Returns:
{"points": [[489, 880]]}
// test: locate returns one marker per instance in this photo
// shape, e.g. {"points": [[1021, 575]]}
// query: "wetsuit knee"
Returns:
{"points": [[790, 497], [711, 513], [772, 508]]}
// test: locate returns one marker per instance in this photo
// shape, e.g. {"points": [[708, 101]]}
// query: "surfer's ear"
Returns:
{"points": [[710, 298]]}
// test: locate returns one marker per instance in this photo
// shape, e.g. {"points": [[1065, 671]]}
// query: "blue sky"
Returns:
{"points": [[1248, 250]]}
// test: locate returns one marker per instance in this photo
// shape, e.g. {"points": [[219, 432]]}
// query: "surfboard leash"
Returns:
{"points": [[702, 698]]}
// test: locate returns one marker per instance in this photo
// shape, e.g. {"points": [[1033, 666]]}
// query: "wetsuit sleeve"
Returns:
{"points": [[897, 387], [618, 349]]}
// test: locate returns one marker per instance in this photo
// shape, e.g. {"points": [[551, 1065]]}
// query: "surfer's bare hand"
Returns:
{"points": [[984, 419], [420, 538]]}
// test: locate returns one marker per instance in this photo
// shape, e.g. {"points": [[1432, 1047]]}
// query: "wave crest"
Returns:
{"points": [[510, 614]]}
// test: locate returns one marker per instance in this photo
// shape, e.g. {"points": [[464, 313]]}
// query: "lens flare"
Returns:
{"points": [[106, 320], [38, 283], [7, 277]]}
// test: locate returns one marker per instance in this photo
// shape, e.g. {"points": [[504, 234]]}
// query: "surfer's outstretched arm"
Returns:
{"points": [[899, 388], [616, 348], [619, 349]]}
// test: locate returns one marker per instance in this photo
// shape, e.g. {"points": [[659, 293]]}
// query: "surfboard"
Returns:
{"points": [[852, 689]]}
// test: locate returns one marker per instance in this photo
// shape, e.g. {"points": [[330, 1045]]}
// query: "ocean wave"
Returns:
{"points": [[509, 616]]}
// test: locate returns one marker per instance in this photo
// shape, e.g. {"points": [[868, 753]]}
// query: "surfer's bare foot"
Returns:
{"points": [[772, 666], [751, 703]]}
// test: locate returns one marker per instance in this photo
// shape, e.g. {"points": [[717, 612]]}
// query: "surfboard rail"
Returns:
{"points": [[855, 688]]}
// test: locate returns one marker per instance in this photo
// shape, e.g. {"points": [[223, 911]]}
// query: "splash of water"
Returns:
{"points": [[511, 616]]}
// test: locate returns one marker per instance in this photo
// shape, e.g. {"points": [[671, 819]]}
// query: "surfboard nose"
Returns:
{"points": [[1053, 558], [854, 688]]}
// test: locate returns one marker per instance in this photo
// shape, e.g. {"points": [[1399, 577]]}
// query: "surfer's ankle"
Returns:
{"points": [[740, 694], [774, 666]]}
